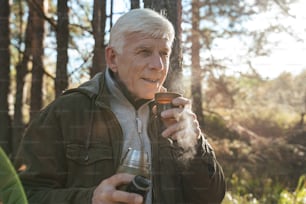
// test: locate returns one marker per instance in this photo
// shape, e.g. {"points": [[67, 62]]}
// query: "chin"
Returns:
{"points": [[147, 95]]}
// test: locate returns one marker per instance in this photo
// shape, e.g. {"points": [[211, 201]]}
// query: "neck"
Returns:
{"points": [[135, 101]]}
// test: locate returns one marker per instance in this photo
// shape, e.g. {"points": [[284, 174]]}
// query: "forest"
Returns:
{"points": [[256, 123]]}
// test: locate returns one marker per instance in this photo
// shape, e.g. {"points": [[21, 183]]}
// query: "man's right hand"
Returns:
{"points": [[107, 192]]}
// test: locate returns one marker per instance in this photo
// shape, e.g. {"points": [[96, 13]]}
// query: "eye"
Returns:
{"points": [[145, 52], [164, 53]]}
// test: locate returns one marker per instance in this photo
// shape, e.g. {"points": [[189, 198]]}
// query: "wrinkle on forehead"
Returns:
{"points": [[130, 37]]}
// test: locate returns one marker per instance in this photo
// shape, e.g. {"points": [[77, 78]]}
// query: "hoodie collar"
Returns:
{"points": [[118, 88], [98, 88]]}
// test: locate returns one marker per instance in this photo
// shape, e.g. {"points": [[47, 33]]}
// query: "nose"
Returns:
{"points": [[156, 62]]}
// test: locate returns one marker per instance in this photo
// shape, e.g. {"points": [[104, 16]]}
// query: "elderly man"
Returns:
{"points": [[73, 148]]}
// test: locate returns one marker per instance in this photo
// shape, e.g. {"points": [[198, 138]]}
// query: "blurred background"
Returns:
{"points": [[241, 62]]}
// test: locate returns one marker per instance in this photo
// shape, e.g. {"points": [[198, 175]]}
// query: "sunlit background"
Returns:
{"points": [[286, 52], [289, 55]]}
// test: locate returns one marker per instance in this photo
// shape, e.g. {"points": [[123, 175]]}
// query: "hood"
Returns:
{"points": [[91, 88]]}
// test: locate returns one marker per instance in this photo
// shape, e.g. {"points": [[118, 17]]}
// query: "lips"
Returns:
{"points": [[151, 80]]}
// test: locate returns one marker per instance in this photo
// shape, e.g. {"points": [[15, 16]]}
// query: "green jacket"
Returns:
{"points": [[76, 142]]}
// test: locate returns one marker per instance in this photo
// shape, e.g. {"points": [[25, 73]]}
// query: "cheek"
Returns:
{"points": [[129, 78]]}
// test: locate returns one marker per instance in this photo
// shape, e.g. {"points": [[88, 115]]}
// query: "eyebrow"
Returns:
{"points": [[143, 47]]}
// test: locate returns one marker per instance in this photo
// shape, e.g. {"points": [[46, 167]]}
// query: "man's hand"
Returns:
{"points": [[186, 124], [107, 192], [185, 129]]}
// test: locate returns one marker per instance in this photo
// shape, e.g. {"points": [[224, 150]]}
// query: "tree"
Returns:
{"points": [[196, 77], [21, 71], [36, 10], [62, 37], [98, 24], [173, 11], [135, 4], [5, 121], [227, 21]]}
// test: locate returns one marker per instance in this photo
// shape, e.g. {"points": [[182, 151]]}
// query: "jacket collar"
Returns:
{"points": [[96, 89]]}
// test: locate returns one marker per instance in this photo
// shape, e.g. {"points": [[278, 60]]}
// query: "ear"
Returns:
{"points": [[110, 57]]}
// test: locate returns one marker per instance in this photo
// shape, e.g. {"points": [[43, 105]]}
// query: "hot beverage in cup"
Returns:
{"points": [[163, 101]]}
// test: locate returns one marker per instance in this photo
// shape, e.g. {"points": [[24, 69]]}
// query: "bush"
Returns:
{"points": [[296, 197], [240, 192]]}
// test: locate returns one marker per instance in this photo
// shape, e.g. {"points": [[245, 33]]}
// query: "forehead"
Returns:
{"points": [[145, 40]]}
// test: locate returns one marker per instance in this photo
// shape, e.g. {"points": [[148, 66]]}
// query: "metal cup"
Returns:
{"points": [[163, 101], [135, 162]]}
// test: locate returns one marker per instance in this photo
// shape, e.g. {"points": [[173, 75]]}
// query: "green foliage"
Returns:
{"points": [[272, 192], [253, 190], [296, 197], [259, 144]]}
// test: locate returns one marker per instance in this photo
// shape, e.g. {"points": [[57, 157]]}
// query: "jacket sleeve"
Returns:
{"points": [[204, 176], [43, 153]]}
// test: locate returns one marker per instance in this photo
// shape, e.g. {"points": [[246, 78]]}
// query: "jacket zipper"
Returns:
{"points": [[139, 131]]}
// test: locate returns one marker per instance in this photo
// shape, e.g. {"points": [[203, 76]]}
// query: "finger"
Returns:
{"points": [[172, 129], [188, 126], [179, 114], [106, 192], [122, 196], [181, 101], [172, 113], [119, 179]]}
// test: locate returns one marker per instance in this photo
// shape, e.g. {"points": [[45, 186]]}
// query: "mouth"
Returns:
{"points": [[149, 80]]}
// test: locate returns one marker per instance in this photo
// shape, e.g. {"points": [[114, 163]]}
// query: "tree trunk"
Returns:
{"points": [[21, 71], [149, 3], [98, 24], [174, 78], [62, 38], [196, 77], [135, 4], [36, 6], [5, 121], [173, 11]]}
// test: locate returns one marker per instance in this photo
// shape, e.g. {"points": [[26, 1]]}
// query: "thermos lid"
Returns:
{"points": [[141, 183]]}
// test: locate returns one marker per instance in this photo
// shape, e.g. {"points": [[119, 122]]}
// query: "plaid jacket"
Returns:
{"points": [[76, 141]]}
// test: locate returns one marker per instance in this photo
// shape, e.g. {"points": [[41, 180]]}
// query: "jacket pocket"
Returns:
{"points": [[83, 156], [88, 166]]}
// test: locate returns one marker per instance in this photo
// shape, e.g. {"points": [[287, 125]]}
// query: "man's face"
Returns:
{"points": [[142, 65]]}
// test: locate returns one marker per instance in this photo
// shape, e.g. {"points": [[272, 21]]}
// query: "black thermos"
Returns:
{"points": [[139, 185]]}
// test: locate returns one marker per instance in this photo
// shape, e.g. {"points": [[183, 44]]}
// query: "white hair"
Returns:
{"points": [[145, 21]]}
